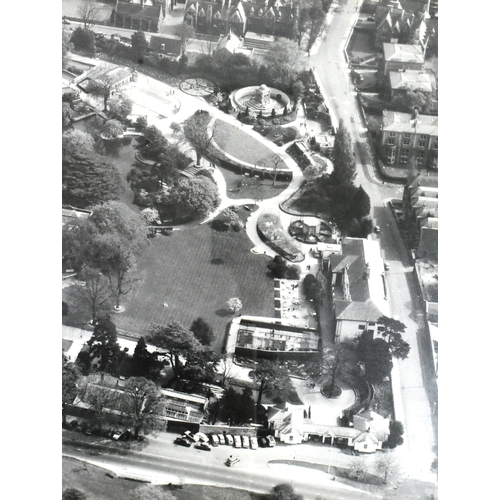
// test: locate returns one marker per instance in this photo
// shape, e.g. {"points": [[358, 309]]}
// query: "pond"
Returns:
{"points": [[122, 152]]}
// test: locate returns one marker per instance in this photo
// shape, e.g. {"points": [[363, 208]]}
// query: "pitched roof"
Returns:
{"points": [[412, 80], [403, 53], [404, 122], [356, 311], [230, 42], [428, 244], [172, 44], [146, 13]]}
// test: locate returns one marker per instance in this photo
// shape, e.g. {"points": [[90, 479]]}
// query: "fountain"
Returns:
{"points": [[260, 100]]}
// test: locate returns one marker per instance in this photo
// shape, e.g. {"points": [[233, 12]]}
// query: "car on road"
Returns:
{"points": [[232, 460], [203, 446], [253, 443], [270, 441], [245, 442], [182, 442], [376, 229], [214, 439], [229, 440], [237, 441]]}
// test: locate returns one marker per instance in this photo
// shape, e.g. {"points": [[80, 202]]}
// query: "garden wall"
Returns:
{"points": [[254, 354]]}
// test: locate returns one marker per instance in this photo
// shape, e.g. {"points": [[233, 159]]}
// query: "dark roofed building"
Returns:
{"points": [[140, 15], [166, 46]]}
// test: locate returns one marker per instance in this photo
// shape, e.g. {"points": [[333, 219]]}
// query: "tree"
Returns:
{"points": [[120, 107], [70, 376], [357, 468], [313, 171], [283, 491], [112, 129], [151, 215], [246, 408], [201, 364], [83, 39], [360, 205], [282, 270], [202, 331], [225, 368], [139, 46], [236, 408], [272, 162], [73, 494], [67, 114], [227, 219], [312, 288], [272, 378], [411, 100], [142, 360], [89, 178], [143, 406], [387, 464], [185, 32], [176, 340], [93, 287], [87, 12], [234, 304], [199, 133], [103, 87], [195, 197], [104, 347], [376, 356], [151, 492], [154, 143], [67, 47], [344, 164], [75, 140], [97, 390], [396, 431], [392, 330], [284, 62]]}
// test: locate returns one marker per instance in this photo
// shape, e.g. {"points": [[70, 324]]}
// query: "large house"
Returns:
{"points": [[357, 281], [140, 15], [166, 46], [405, 137], [418, 81], [400, 57], [402, 22], [218, 17]]}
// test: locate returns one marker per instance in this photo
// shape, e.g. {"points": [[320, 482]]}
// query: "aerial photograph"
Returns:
{"points": [[249, 249]]}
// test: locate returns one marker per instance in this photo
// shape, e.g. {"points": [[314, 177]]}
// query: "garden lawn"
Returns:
{"points": [[243, 146], [195, 271]]}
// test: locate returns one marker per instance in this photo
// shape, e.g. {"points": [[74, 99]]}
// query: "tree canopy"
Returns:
{"points": [[202, 331], [344, 164], [376, 356], [119, 107], [194, 197], [112, 129], [83, 39], [237, 408], [272, 378], [73, 494], [392, 330], [152, 492], [104, 347], [139, 46], [282, 270], [283, 491], [284, 62], [198, 133]]}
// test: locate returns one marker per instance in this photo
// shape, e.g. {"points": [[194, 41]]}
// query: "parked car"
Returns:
{"points": [[203, 446], [200, 436], [270, 441], [182, 441], [386, 266], [245, 442], [189, 435], [376, 229], [229, 440], [126, 435], [232, 460], [253, 443], [214, 439], [237, 441], [262, 442], [221, 439]]}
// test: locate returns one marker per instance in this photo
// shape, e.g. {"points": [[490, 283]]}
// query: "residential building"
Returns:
{"points": [[108, 76], [70, 215], [218, 17], [356, 279], [402, 22], [418, 81], [400, 57], [140, 15], [229, 42], [408, 137], [166, 46]]}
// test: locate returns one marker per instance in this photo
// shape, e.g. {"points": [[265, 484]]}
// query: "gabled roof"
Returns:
{"points": [[356, 311], [366, 437], [412, 80], [404, 122]]}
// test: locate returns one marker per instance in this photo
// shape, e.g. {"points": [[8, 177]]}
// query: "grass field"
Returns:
{"points": [[195, 271], [243, 146], [98, 486]]}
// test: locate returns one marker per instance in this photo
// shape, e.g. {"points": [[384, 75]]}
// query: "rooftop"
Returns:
{"points": [[412, 80], [403, 53], [147, 13], [404, 122]]}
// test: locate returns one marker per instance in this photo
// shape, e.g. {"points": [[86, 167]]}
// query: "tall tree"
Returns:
{"points": [[246, 409], [142, 360], [195, 197], [93, 287], [360, 205], [388, 465], [67, 47], [228, 406], [143, 406], [198, 132], [87, 12], [202, 331], [284, 62], [176, 340], [70, 376], [104, 347], [97, 390], [76, 140], [139, 46], [376, 356], [185, 32], [83, 39], [112, 129], [120, 107], [271, 377], [344, 164], [201, 364], [391, 330]]}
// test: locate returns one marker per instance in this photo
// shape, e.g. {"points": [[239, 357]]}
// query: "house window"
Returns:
{"points": [[365, 446], [436, 144], [290, 438], [162, 46], [421, 143], [391, 141], [361, 327], [371, 323], [407, 135], [404, 155], [406, 142], [392, 134]]}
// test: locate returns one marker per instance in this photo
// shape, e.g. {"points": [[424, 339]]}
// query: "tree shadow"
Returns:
{"points": [[217, 261], [223, 313]]}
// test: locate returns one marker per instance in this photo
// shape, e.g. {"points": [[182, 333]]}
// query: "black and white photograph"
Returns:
{"points": [[250, 250]]}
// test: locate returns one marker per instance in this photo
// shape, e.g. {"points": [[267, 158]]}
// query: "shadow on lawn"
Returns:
{"points": [[223, 313], [217, 261]]}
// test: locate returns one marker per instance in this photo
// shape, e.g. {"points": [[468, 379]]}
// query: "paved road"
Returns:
{"points": [[416, 379]]}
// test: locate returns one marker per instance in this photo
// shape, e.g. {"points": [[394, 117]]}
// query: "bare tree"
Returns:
{"points": [[199, 132], [387, 464], [273, 163], [87, 12], [102, 87], [97, 391], [226, 368], [185, 32], [93, 288], [357, 468]]}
